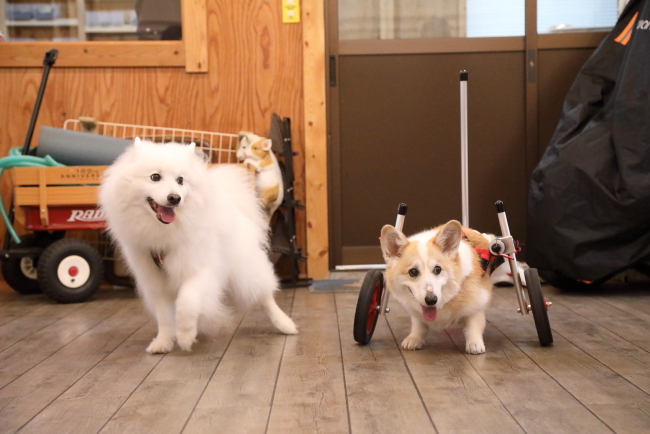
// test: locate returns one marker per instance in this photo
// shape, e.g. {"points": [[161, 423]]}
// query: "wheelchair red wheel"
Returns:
{"points": [[368, 304]]}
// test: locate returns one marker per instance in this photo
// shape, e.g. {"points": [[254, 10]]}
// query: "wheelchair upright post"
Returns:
{"points": [[464, 149], [399, 224], [505, 245]]}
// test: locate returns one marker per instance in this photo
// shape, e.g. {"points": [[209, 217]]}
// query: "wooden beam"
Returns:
{"points": [[313, 58], [94, 54]]}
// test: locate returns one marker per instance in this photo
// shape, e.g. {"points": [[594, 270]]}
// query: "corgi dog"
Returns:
{"points": [[437, 276]]}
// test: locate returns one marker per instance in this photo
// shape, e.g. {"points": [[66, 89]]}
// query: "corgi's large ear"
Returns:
{"points": [[449, 237], [266, 144], [392, 242]]}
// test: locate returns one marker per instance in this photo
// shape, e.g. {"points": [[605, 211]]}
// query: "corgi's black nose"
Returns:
{"points": [[174, 199], [431, 300]]}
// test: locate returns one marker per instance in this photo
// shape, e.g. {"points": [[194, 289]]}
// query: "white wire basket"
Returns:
{"points": [[219, 147]]}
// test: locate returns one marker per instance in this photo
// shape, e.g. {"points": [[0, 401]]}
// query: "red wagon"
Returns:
{"points": [[52, 201]]}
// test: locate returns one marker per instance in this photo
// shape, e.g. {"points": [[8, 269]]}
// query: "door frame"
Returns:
{"points": [[530, 44]]}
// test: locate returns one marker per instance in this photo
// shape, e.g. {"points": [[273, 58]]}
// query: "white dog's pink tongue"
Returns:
{"points": [[429, 313], [166, 213]]}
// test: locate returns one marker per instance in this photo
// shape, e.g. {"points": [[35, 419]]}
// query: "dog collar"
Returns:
{"points": [[158, 258]]}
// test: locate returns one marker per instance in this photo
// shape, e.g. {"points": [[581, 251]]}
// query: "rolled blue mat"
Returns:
{"points": [[73, 148]]}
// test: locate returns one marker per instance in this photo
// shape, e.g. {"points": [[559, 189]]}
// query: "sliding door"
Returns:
{"points": [[394, 100]]}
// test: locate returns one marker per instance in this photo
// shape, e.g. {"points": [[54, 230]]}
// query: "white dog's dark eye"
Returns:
{"points": [[437, 270], [413, 272], [179, 180], [155, 177]]}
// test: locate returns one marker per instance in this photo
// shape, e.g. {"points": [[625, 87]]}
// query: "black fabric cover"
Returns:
{"points": [[589, 198]]}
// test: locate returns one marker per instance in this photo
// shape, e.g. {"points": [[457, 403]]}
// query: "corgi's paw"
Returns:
{"points": [[475, 347], [412, 343], [160, 346], [186, 339]]}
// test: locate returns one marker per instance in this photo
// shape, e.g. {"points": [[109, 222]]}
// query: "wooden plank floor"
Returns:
{"points": [[83, 369]]}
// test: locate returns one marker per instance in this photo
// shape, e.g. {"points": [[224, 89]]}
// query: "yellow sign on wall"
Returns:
{"points": [[290, 11]]}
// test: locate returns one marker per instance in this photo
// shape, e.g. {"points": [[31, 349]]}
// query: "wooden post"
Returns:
{"points": [[313, 55], [195, 35]]}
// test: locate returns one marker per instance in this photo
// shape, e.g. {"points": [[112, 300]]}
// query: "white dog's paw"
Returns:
{"points": [[186, 340], [412, 343], [475, 347], [160, 345], [286, 326]]}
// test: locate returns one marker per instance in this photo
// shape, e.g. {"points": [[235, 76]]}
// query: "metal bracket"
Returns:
{"points": [[531, 63], [383, 306], [502, 246], [332, 71]]}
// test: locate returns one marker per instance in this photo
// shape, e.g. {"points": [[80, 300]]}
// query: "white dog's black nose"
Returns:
{"points": [[431, 300], [174, 199]]}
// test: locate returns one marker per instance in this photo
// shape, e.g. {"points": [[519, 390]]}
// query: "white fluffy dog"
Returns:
{"points": [[194, 239]]}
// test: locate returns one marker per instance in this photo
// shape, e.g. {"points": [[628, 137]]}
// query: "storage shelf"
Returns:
{"points": [[61, 22], [111, 29], [80, 19]]}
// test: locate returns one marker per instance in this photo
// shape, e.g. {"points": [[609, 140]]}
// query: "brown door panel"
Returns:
{"points": [[400, 141]]}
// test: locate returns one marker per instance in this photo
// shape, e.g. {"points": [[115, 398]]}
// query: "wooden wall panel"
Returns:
{"points": [[255, 69]]}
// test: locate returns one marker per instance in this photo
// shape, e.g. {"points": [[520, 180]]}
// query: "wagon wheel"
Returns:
{"points": [[70, 270], [368, 304], [539, 307], [20, 273]]}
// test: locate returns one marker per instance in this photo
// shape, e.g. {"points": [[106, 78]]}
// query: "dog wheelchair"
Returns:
{"points": [[373, 297]]}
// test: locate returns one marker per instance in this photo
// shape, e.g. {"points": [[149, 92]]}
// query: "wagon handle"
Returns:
{"points": [[48, 62]]}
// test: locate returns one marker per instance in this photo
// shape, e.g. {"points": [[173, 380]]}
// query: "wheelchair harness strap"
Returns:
{"points": [[488, 261]]}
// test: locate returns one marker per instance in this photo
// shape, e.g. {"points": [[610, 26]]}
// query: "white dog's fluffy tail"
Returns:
{"points": [[278, 318]]}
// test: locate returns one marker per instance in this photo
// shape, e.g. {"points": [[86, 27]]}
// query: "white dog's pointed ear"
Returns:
{"points": [[449, 237], [266, 144], [192, 147], [392, 242], [137, 142]]}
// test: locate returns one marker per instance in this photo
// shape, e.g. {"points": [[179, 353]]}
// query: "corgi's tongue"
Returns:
{"points": [[429, 313], [166, 214]]}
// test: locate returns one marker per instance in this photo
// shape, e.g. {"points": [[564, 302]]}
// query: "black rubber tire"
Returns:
{"points": [[538, 307], [70, 249], [367, 313], [13, 269]]}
